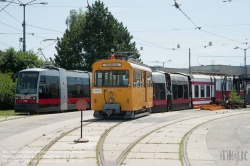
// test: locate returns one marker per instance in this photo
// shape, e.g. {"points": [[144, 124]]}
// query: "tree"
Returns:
{"points": [[7, 91], [102, 32], [90, 37], [13, 61], [234, 96], [69, 48]]}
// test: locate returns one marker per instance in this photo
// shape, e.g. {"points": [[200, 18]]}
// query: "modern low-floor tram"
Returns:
{"points": [[51, 89]]}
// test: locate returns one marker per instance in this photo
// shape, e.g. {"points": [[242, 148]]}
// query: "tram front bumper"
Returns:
{"points": [[30, 108], [111, 109]]}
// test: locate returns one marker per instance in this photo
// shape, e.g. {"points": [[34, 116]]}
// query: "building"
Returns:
{"points": [[211, 69]]}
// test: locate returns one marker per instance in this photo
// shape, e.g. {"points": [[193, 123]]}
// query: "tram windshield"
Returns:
{"points": [[27, 83], [112, 78]]}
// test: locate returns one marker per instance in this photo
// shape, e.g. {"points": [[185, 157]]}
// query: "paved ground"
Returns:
{"points": [[21, 138], [233, 145], [189, 137], [221, 142]]}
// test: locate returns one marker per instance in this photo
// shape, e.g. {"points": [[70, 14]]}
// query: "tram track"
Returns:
{"points": [[38, 156], [122, 157], [99, 150], [182, 145]]}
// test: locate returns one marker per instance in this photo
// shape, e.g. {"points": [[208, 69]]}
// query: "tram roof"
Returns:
{"points": [[135, 66], [34, 69]]}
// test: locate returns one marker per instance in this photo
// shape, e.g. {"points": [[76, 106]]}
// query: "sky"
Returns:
{"points": [[211, 29]]}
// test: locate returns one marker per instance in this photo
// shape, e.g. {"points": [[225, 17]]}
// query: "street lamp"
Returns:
{"points": [[244, 57], [162, 62], [24, 5]]}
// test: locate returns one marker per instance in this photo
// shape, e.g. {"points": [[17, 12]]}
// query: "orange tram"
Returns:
{"points": [[121, 88]]}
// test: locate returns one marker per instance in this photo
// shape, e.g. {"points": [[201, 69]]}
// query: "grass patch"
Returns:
{"points": [[7, 112]]}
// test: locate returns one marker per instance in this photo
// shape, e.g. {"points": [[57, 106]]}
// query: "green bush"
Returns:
{"points": [[7, 91], [234, 96]]}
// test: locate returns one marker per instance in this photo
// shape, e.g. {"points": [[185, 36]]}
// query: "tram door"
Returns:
{"points": [[143, 86]]}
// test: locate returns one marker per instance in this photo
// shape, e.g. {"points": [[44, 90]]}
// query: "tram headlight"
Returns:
{"points": [[111, 100], [33, 97]]}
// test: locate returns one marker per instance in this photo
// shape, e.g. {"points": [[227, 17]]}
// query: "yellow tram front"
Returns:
{"points": [[121, 88]]}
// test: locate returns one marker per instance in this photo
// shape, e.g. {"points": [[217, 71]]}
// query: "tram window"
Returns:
{"points": [[52, 83], [175, 91], [112, 78], [196, 91], [134, 78], [185, 91], [202, 91], [180, 91], [86, 87], [229, 88], [143, 79], [49, 87], [218, 85], [71, 86], [208, 90], [138, 77], [78, 87], [149, 80], [42, 79], [159, 91], [107, 79], [99, 79]]}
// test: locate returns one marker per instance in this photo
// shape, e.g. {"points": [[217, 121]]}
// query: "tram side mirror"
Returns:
{"points": [[15, 76]]}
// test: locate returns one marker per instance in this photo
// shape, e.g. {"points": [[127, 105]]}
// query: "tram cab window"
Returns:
{"points": [[112, 78], [27, 83]]}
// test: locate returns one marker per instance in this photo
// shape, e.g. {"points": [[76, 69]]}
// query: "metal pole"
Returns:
{"points": [[89, 89], [81, 123], [163, 64], [24, 40], [189, 61], [245, 62]]}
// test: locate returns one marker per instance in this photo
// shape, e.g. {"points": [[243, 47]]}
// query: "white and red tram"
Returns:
{"points": [[176, 91], [50, 89]]}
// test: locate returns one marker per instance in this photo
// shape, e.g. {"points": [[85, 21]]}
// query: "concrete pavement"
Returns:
{"points": [[157, 140], [21, 139]]}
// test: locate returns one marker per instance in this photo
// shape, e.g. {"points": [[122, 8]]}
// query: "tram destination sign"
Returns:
{"points": [[111, 64]]}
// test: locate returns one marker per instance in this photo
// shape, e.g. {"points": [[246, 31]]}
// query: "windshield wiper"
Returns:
{"points": [[28, 91]]}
